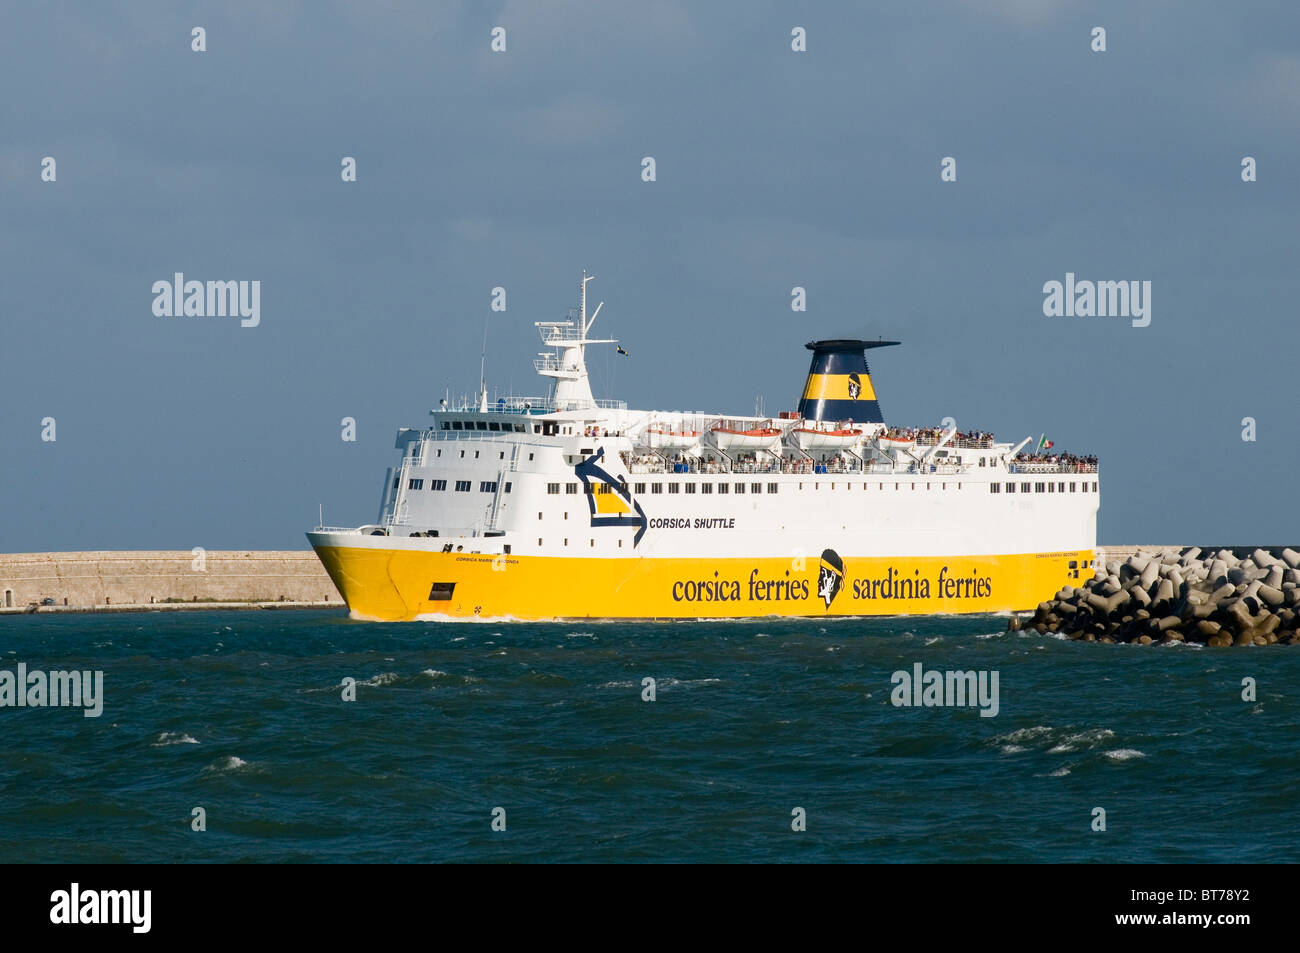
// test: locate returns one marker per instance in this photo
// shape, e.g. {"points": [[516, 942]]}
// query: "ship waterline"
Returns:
{"points": [[568, 507], [404, 585]]}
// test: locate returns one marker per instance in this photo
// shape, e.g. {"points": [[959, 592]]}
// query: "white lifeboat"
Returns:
{"points": [[751, 438], [810, 436], [663, 438]]}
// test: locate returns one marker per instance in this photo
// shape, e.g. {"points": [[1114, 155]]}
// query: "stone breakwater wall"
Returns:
{"points": [[1173, 595], [93, 579]]}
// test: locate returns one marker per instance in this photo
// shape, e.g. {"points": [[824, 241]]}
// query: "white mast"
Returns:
{"points": [[568, 365]]}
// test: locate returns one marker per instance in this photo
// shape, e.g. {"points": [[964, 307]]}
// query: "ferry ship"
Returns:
{"points": [[569, 507]]}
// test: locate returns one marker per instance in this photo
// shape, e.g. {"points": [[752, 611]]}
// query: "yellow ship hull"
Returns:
{"points": [[395, 585]]}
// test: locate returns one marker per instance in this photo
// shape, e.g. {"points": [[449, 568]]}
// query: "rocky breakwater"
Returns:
{"points": [[1173, 596]]}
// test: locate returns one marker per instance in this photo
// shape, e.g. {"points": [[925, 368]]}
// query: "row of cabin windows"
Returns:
{"points": [[1046, 487], [673, 487], [724, 488], [546, 428], [590, 542], [462, 486], [501, 454], [490, 425]]}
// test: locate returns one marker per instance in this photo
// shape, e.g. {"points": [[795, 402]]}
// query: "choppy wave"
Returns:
{"points": [[1124, 754], [226, 765], [168, 738]]}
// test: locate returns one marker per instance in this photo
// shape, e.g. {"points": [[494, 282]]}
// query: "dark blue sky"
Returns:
{"points": [[775, 169]]}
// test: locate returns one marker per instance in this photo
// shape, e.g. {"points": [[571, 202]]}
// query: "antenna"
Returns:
{"points": [[482, 369], [321, 513]]}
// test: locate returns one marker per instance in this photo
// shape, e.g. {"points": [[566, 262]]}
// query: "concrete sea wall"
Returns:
{"points": [[103, 579]]}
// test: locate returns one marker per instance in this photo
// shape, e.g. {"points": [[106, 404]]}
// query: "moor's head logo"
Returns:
{"points": [[855, 386], [830, 576]]}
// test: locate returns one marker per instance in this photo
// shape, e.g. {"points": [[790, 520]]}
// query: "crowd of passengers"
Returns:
{"points": [[975, 439], [1066, 461]]}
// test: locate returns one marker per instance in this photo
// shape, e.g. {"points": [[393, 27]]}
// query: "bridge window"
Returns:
{"points": [[571, 488], [508, 485], [462, 486], [674, 487], [481, 425], [706, 487], [493, 425], [446, 425], [995, 487], [771, 487], [415, 484], [1011, 488], [656, 487], [640, 488], [724, 487], [553, 488], [456, 425], [1072, 489], [438, 485], [1024, 488], [740, 488], [690, 487], [487, 486], [756, 488]]}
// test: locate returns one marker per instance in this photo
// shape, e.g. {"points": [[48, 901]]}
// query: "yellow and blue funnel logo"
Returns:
{"points": [[839, 384]]}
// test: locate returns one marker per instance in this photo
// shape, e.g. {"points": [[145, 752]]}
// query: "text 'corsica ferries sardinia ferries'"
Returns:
{"points": [[568, 507]]}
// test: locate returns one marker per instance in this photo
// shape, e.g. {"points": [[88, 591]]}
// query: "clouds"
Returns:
{"points": [[775, 169]]}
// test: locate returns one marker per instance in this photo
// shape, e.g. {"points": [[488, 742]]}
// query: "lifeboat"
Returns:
{"points": [[895, 443], [755, 438], [663, 439], [817, 438]]}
